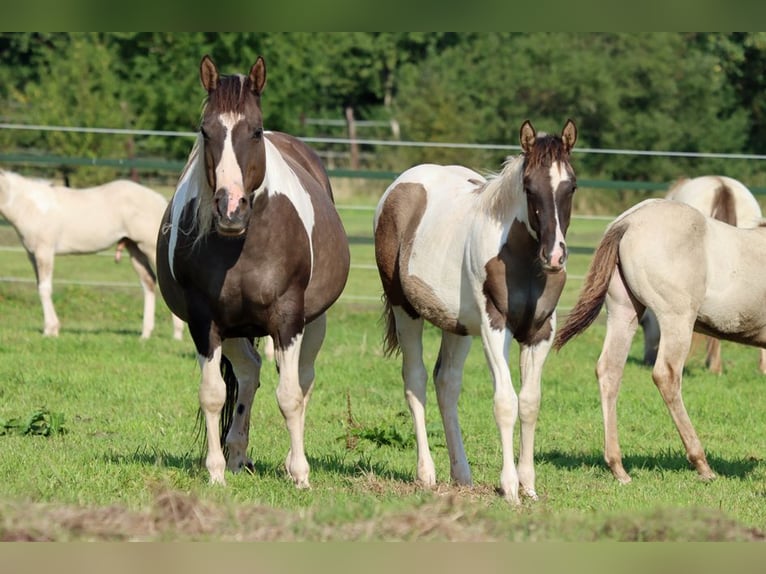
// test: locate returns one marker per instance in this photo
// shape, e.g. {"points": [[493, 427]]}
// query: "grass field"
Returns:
{"points": [[98, 431]]}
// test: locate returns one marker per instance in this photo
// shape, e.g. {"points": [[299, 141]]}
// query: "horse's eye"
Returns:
{"points": [[258, 133]]}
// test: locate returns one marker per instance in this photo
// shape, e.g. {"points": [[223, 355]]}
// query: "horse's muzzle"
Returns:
{"points": [[555, 260], [231, 213]]}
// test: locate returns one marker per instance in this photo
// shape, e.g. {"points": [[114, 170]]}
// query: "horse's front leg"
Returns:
{"points": [[42, 263], [506, 404], [247, 368], [531, 360], [212, 396]]}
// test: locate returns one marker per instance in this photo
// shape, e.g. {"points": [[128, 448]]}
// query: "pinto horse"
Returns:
{"points": [[727, 200], [251, 245], [54, 220], [476, 256], [696, 274]]}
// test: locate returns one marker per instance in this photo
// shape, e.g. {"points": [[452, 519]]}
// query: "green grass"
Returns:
{"points": [[129, 410]]}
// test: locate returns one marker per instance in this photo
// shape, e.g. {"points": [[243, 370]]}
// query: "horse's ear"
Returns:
{"points": [[258, 76], [569, 134], [208, 74], [527, 136]]}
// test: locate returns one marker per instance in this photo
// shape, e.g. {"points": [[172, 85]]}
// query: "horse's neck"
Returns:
{"points": [[503, 197]]}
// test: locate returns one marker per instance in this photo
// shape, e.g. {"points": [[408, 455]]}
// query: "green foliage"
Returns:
{"points": [[694, 92], [41, 422]]}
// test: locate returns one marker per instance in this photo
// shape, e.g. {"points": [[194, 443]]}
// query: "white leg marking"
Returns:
{"points": [[506, 403], [212, 395], [532, 359], [409, 332], [291, 402]]}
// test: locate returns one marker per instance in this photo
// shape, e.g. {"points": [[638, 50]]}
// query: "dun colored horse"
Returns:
{"points": [[694, 273], [251, 245], [727, 200], [476, 256], [54, 220]]}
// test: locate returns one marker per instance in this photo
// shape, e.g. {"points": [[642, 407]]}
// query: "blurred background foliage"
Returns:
{"points": [[682, 92]]}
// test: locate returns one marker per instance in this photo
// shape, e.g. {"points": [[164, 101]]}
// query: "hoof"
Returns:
{"points": [[530, 493]]}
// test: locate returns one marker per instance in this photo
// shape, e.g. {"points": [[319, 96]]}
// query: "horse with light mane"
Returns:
{"points": [[55, 220], [476, 256], [251, 245], [727, 200], [697, 274]]}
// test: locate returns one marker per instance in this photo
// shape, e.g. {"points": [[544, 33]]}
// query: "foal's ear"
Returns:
{"points": [[569, 134], [208, 74], [527, 136], [258, 76]]}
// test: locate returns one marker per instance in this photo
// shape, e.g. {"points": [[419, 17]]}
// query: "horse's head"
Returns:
{"points": [[549, 182], [234, 149]]}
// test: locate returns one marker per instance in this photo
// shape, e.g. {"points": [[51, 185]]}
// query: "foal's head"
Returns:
{"points": [[549, 182], [234, 149]]}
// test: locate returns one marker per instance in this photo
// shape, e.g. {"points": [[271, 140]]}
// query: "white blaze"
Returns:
{"points": [[558, 174]]}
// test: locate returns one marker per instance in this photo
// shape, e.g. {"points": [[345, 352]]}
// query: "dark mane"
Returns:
{"points": [[232, 94], [547, 149]]}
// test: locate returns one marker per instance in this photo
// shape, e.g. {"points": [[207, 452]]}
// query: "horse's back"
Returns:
{"points": [[422, 225], [671, 254], [704, 193], [304, 155]]}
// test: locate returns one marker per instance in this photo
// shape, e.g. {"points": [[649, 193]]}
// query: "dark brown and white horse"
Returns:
{"points": [[477, 256], [251, 245]]}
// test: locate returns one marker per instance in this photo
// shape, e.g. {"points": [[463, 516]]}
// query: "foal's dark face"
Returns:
{"points": [[549, 183], [234, 148]]}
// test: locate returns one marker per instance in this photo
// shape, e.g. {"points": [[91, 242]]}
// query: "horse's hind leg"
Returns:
{"points": [[667, 374], [448, 379], [42, 263], [621, 325], [409, 333], [762, 360], [651, 336], [143, 269], [247, 368], [713, 360]]}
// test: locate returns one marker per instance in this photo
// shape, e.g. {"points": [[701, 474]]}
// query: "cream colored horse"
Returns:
{"points": [[51, 219], [696, 274], [727, 200]]}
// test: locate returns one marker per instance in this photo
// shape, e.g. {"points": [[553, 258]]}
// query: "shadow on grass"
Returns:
{"points": [[352, 466], [667, 461]]}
